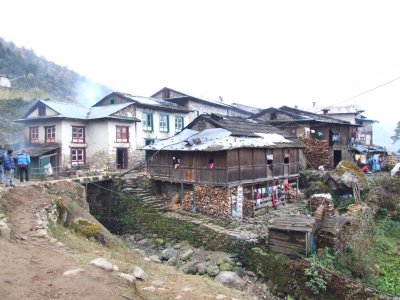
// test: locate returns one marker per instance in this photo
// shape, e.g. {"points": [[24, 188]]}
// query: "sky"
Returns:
{"points": [[259, 53]]}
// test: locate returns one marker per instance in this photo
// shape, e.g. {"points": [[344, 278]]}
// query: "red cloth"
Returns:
{"points": [[273, 200], [365, 169]]}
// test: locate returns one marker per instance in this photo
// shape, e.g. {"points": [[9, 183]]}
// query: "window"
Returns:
{"points": [[122, 134], [178, 124], [273, 116], [147, 122], [164, 123], [78, 156], [196, 113], [41, 109], [148, 142], [34, 135], [112, 101], [176, 162], [286, 158], [166, 94], [50, 134], [78, 134]]}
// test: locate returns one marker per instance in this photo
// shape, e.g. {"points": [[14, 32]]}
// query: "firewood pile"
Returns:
{"points": [[316, 152], [291, 193], [354, 209], [322, 205], [211, 201], [391, 160], [248, 208]]}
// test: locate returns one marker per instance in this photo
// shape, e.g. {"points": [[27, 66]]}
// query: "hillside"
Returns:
{"points": [[35, 77]]}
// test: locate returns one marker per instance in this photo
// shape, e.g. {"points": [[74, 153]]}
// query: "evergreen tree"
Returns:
{"points": [[396, 136]]}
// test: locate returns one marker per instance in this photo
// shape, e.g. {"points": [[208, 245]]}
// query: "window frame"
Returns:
{"points": [[78, 152], [52, 131], [147, 118], [182, 125], [34, 136], [120, 136], [164, 123], [78, 140]]}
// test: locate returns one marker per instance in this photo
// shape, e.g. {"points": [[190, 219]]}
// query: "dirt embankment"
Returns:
{"points": [[34, 260]]}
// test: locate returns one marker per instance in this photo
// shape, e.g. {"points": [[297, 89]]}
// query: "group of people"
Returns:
{"points": [[8, 164]]}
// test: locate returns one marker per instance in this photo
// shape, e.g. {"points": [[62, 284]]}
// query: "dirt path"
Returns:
{"points": [[32, 267]]}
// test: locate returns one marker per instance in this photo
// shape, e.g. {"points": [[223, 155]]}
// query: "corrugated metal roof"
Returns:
{"points": [[217, 139], [80, 112]]}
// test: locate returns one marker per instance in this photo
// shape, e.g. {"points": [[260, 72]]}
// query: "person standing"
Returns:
{"points": [[1, 164], [23, 162], [9, 167]]}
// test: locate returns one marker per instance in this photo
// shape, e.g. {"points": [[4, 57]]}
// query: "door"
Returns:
{"points": [[337, 157], [122, 158]]}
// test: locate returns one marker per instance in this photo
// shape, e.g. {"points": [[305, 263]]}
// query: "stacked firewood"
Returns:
{"points": [[316, 152], [322, 205], [212, 201], [248, 208], [291, 193], [188, 201], [391, 160]]}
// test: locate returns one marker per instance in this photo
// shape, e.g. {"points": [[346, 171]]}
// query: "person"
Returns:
{"points": [[1, 164], [9, 167], [23, 162]]}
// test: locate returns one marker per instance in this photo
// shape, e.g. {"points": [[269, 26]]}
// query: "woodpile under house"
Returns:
{"points": [[219, 165]]}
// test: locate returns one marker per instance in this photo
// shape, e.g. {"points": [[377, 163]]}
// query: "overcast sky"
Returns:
{"points": [[260, 53]]}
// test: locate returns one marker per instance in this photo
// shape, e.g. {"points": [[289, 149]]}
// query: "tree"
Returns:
{"points": [[396, 136]]}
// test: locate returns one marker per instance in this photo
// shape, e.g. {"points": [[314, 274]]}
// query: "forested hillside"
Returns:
{"points": [[33, 77]]}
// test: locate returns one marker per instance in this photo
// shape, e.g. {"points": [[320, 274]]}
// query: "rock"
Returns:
{"points": [[149, 288], [158, 283], [186, 255], [155, 258], [220, 297], [212, 270], [230, 279], [5, 231], [187, 289], [159, 241], [138, 236], [73, 272], [173, 261], [225, 267], [41, 233], [166, 254], [128, 277], [189, 268], [102, 264], [139, 273], [53, 241], [201, 268], [178, 297]]}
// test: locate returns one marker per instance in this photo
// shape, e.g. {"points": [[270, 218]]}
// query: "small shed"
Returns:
{"points": [[292, 235], [333, 233]]}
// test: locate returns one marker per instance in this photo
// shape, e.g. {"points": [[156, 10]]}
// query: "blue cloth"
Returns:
{"points": [[23, 159], [8, 163]]}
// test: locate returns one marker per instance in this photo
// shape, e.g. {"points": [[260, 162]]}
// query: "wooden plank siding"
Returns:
{"points": [[244, 165]]}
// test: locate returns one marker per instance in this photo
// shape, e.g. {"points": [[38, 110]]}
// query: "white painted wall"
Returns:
{"points": [[206, 108]]}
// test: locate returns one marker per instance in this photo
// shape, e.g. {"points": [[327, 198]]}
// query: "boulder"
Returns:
{"points": [[187, 254], [4, 230], [342, 179], [128, 277], [139, 273], [73, 272], [189, 268], [155, 258], [201, 268], [212, 270], [230, 279], [166, 254], [102, 264]]}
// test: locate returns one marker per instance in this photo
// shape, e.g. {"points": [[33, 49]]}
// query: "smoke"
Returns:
{"points": [[89, 92]]}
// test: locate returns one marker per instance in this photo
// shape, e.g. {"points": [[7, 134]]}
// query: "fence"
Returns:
{"points": [[49, 172]]}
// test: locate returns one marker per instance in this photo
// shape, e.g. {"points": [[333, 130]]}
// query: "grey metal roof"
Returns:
{"points": [[217, 139], [80, 112]]}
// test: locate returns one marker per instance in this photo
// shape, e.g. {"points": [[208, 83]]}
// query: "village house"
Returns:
{"points": [[352, 114], [112, 132], [229, 157], [336, 134], [201, 105]]}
